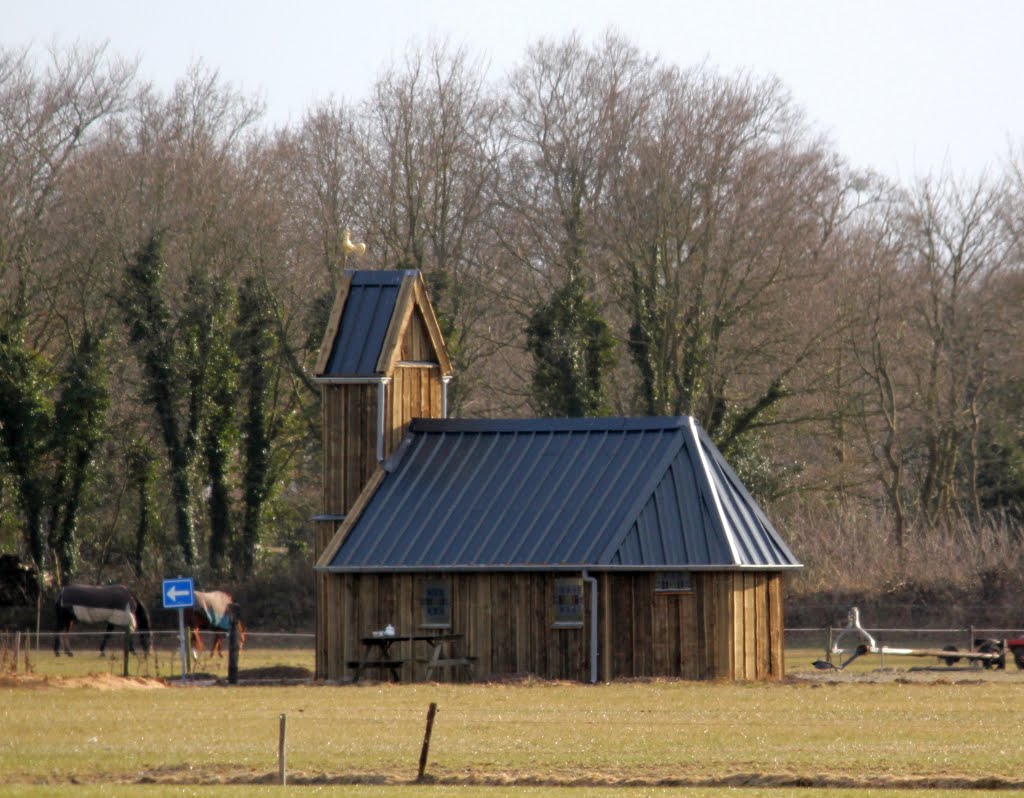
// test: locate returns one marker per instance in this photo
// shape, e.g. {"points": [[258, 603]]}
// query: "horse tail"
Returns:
{"points": [[142, 621]]}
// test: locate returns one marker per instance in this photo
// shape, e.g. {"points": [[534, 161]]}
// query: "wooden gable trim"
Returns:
{"points": [[400, 316], [412, 295], [433, 328], [353, 515], [332, 325]]}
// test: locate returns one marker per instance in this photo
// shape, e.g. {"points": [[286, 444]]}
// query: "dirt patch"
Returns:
{"points": [[905, 676], [98, 681], [269, 676], [820, 781]]}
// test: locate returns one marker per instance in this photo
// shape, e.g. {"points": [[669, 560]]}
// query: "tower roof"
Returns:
{"points": [[372, 314]]}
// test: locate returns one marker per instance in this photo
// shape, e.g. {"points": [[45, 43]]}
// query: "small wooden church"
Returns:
{"points": [[582, 549]]}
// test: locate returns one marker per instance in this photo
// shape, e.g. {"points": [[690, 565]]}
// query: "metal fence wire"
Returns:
{"points": [[291, 655]]}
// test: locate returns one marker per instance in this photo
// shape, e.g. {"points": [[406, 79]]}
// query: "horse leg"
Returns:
{"points": [[218, 644], [62, 639], [197, 642], [103, 642]]}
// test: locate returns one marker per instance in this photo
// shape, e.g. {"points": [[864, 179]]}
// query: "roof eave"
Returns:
{"points": [[337, 569]]}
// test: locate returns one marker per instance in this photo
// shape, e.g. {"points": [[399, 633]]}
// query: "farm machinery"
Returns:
{"points": [[989, 653]]}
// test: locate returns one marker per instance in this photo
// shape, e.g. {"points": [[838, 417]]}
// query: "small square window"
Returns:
{"points": [[673, 582], [436, 605], [568, 603]]}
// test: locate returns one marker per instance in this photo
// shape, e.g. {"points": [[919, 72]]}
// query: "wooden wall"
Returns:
{"points": [[728, 627], [415, 392], [350, 420]]}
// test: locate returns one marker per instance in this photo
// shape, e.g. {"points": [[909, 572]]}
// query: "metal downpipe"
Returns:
{"points": [[593, 625]]}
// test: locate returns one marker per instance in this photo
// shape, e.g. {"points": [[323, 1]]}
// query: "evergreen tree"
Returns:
{"points": [[572, 350], [255, 345], [148, 319]]}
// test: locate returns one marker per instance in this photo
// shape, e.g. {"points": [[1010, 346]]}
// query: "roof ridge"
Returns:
{"points": [[585, 424]]}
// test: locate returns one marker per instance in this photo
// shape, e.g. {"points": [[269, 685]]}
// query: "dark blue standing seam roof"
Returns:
{"points": [[364, 323], [559, 493]]}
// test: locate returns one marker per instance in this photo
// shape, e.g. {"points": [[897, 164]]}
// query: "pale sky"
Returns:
{"points": [[906, 87]]}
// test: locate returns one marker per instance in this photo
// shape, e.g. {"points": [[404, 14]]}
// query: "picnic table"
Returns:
{"points": [[381, 654]]}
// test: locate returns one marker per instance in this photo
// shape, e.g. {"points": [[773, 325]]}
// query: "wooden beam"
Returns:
{"points": [[433, 328], [332, 325], [391, 349]]}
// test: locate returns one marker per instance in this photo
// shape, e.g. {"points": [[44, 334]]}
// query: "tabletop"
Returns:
{"points": [[379, 639], [377, 654]]}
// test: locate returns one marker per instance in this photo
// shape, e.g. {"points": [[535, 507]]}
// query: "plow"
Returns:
{"points": [[989, 653]]}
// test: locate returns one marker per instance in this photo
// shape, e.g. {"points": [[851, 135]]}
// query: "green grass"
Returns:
{"points": [[164, 663], [955, 735], [652, 733]]}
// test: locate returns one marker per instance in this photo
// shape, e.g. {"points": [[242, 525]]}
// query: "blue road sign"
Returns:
{"points": [[177, 593]]}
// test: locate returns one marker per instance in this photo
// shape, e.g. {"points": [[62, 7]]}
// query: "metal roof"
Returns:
{"points": [[558, 493], [364, 324]]}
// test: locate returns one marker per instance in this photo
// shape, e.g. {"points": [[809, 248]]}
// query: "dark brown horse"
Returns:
{"points": [[211, 612], [114, 605]]}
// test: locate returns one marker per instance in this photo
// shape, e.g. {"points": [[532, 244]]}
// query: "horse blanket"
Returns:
{"points": [[214, 607], [112, 604]]}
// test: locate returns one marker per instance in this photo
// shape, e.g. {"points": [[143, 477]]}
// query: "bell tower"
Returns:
{"points": [[382, 363]]}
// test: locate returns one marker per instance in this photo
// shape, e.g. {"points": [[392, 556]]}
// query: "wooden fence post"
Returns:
{"points": [[281, 776], [233, 645], [17, 649], [127, 648], [426, 740]]}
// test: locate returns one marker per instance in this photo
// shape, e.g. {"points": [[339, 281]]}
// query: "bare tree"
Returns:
{"points": [[958, 251], [430, 158], [44, 120], [571, 116], [726, 213]]}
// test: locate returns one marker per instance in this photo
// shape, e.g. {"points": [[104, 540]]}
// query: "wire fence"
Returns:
{"points": [[277, 656], [269, 655]]}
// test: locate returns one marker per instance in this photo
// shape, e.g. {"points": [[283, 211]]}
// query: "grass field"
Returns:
{"points": [[75, 725], [953, 732]]}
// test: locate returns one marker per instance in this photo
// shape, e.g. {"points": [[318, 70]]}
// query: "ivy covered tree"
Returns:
{"points": [[212, 378], [573, 349], [27, 412], [49, 446], [256, 344], [79, 427], [150, 333], [142, 471]]}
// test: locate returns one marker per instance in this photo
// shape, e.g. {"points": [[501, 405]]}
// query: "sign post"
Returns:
{"points": [[178, 594]]}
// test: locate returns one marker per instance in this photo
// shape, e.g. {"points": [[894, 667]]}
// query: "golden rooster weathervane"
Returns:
{"points": [[348, 248]]}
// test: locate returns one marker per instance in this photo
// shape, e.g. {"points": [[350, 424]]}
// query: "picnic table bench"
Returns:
{"points": [[379, 656]]}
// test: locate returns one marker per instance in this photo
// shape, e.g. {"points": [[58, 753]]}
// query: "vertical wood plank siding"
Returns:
{"points": [[728, 627], [350, 459]]}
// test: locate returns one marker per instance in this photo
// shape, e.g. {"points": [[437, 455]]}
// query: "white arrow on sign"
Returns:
{"points": [[174, 593]]}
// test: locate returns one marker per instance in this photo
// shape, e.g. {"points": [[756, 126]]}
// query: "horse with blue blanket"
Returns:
{"points": [[114, 605], [211, 612]]}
